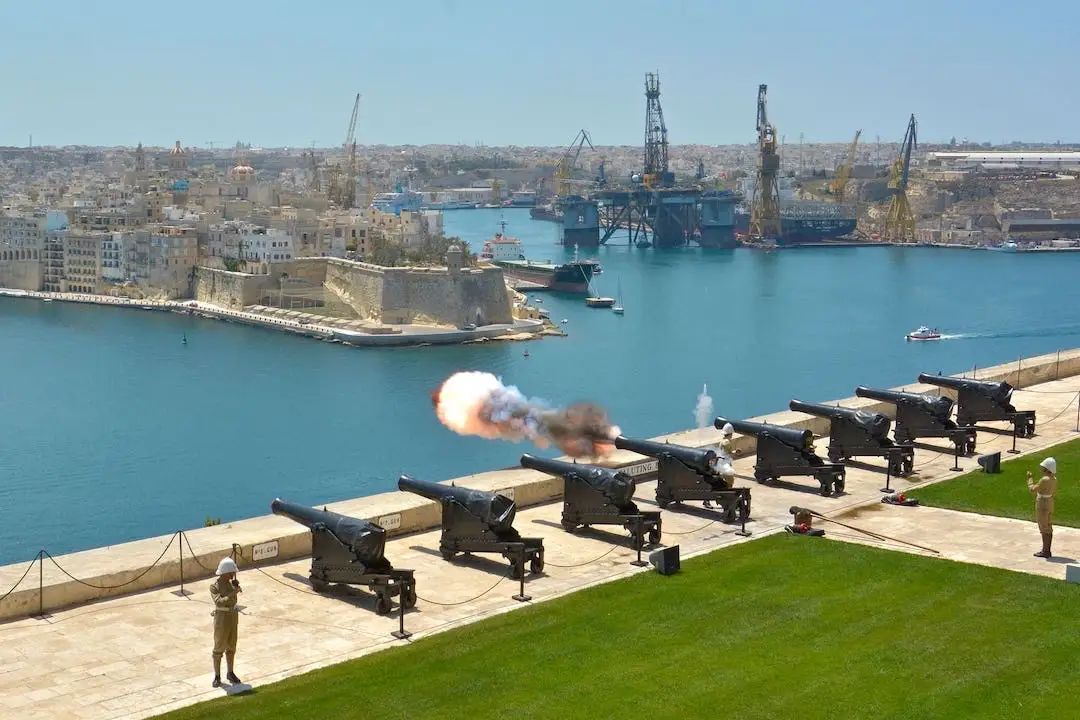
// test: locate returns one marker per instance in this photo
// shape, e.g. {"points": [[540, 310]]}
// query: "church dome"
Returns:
{"points": [[177, 150]]}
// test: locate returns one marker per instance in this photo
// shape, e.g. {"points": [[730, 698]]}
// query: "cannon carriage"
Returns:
{"points": [[784, 451], [860, 433], [984, 401], [923, 416]]}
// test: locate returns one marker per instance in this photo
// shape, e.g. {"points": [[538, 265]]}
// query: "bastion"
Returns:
{"points": [[454, 295], [168, 560]]}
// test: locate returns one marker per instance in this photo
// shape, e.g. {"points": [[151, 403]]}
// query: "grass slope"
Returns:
{"points": [[1006, 494], [784, 626]]}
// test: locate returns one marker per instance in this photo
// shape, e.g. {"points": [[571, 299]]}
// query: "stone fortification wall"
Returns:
{"points": [[226, 289], [20, 274], [421, 295], [401, 513]]}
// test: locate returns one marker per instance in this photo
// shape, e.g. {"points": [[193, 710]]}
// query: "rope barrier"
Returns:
{"points": [[463, 602], [25, 573], [113, 587]]}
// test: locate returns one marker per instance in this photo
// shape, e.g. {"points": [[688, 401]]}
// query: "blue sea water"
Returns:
{"points": [[111, 429]]}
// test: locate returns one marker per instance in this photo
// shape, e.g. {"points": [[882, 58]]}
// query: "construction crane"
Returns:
{"points": [[343, 184], [765, 205], [563, 166], [900, 222], [655, 171], [843, 173]]}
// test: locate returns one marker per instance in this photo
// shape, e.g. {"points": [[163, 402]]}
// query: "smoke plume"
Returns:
{"points": [[477, 403], [704, 411]]}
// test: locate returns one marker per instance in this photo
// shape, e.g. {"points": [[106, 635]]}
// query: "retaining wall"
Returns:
{"points": [[399, 512]]}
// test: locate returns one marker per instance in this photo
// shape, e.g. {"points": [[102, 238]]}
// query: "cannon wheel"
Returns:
{"points": [[318, 585], [517, 569], [826, 488], [447, 554], [836, 456], [839, 484], [408, 596], [969, 448], [383, 603], [654, 536], [662, 503], [729, 514], [569, 526], [536, 565], [907, 466]]}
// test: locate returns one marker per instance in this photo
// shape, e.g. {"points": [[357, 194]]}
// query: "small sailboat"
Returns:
{"points": [[618, 307], [183, 340]]}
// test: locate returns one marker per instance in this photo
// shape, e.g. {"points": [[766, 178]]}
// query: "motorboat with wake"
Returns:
{"points": [[923, 333]]}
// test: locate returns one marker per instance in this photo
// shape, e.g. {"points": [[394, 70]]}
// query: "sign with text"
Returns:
{"points": [[390, 522], [264, 551], [642, 468]]}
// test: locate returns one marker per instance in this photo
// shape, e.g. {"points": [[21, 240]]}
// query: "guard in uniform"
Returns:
{"points": [[224, 591], [724, 459], [1044, 490]]}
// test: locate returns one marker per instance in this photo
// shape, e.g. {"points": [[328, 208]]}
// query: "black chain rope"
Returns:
{"points": [[25, 573], [113, 587], [587, 562], [445, 604], [195, 557]]}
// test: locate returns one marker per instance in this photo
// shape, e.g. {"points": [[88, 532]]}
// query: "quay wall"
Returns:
{"points": [[102, 570], [391, 295], [19, 273]]}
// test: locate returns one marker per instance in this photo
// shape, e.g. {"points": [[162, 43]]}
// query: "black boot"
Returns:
{"points": [[232, 678], [217, 681], [1047, 539]]}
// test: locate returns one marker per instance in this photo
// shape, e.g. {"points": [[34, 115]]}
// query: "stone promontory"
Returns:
{"points": [[454, 295]]}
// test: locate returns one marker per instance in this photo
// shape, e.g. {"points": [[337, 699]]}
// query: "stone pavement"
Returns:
{"points": [[140, 655]]}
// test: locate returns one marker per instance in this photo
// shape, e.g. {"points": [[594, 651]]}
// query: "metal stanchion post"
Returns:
{"points": [[401, 633], [743, 512], [41, 583], [1014, 451], [521, 596], [1077, 412], [179, 536], [639, 540], [888, 475], [956, 459]]}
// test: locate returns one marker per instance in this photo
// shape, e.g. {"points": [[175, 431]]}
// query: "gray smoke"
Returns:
{"points": [[704, 411]]}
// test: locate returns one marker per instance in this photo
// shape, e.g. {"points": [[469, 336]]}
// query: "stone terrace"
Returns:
{"points": [[141, 654]]}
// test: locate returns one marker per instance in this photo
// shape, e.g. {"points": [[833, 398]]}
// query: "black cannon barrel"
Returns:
{"points": [[936, 405], [617, 486], [875, 423], [364, 538], [702, 460], [494, 510], [789, 436], [999, 391]]}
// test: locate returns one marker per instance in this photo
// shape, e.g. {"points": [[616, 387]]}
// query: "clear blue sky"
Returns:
{"points": [[502, 72]]}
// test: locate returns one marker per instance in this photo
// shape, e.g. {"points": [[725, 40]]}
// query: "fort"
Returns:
{"points": [[452, 296]]}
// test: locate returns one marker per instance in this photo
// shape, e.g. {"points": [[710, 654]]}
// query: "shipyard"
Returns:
{"points": [[459, 363]]}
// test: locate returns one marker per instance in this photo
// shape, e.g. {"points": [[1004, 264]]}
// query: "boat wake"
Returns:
{"points": [[1027, 333]]}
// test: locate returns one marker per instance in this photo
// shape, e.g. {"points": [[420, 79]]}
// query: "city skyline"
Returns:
{"points": [[462, 73]]}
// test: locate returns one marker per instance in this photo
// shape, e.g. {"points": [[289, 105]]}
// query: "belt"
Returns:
{"points": [[1045, 497]]}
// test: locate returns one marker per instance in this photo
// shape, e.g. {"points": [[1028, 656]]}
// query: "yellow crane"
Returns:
{"points": [[843, 173], [561, 175], [343, 185], [765, 205], [899, 221]]}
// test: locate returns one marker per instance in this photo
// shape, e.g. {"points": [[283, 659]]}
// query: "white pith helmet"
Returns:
{"points": [[728, 429], [1050, 464], [227, 565]]}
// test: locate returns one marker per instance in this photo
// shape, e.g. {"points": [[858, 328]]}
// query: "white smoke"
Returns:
{"points": [[704, 411]]}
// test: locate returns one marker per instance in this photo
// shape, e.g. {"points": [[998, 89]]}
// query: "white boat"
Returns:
{"points": [[618, 307], [924, 333]]}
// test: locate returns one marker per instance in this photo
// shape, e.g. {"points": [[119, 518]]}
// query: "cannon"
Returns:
{"points": [[858, 433], [984, 401], [479, 521], [599, 496], [922, 416], [787, 451], [350, 551], [685, 473]]}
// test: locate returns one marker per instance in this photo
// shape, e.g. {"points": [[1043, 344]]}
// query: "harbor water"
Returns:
{"points": [[112, 429]]}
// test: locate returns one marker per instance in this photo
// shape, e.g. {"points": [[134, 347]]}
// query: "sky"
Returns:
{"points": [[527, 72]]}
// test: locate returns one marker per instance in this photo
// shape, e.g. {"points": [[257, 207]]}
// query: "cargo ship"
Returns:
{"points": [[569, 277], [806, 221]]}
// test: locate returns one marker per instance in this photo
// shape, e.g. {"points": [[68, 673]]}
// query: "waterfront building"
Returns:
{"points": [[22, 244], [83, 252], [408, 228], [238, 240]]}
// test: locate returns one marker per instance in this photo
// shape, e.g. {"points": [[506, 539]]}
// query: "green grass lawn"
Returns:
{"points": [[780, 627], [1006, 494]]}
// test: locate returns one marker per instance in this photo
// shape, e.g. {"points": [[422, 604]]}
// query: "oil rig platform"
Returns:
{"points": [[653, 210]]}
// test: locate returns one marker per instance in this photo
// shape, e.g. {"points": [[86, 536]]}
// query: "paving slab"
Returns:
{"points": [[140, 655]]}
